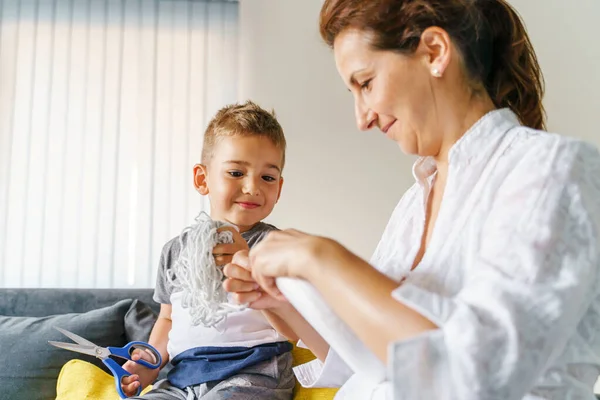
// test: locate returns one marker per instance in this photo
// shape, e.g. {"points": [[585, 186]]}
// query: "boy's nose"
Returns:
{"points": [[251, 188]]}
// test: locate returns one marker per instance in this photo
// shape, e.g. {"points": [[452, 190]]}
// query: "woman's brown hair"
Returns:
{"points": [[490, 35]]}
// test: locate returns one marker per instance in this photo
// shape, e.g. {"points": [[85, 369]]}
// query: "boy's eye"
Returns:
{"points": [[236, 174], [269, 178]]}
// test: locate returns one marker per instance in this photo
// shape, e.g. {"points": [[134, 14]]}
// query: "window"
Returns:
{"points": [[103, 104]]}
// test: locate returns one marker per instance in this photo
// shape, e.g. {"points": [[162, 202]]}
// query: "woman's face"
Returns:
{"points": [[392, 92]]}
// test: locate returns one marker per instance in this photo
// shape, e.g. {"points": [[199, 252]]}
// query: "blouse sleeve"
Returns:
{"points": [[533, 277], [332, 373]]}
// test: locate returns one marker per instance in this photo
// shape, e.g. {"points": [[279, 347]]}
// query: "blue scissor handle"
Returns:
{"points": [[119, 373], [126, 351]]}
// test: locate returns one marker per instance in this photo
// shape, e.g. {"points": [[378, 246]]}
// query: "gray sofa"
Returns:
{"points": [[29, 367]]}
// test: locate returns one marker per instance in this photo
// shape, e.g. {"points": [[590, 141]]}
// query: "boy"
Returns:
{"points": [[242, 160]]}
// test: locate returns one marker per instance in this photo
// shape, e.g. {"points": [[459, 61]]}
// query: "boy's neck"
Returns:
{"points": [[241, 228]]}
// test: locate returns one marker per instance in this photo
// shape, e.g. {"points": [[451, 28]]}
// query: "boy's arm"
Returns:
{"points": [[280, 325], [159, 337], [288, 321]]}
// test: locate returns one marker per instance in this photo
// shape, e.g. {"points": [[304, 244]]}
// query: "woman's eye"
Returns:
{"points": [[269, 178], [235, 174], [366, 84]]}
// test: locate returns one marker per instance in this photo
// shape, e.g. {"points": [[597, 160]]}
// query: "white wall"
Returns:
{"points": [[339, 182], [564, 35], [343, 183]]}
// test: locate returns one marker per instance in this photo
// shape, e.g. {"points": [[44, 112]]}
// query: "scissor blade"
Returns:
{"points": [[74, 337], [89, 350]]}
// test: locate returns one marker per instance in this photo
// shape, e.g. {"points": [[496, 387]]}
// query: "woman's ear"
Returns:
{"points": [[200, 175], [436, 45]]}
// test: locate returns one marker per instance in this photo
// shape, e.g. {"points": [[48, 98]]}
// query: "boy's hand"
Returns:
{"points": [[245, 289], [224, 252], [140, 376]]}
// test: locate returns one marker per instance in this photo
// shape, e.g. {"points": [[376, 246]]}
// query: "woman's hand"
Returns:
{"points": [[244, 288], [289, 253]]}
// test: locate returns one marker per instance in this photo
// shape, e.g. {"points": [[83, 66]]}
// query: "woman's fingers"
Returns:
{"points": [[242, 259], [239, 280], [268, 285], [247, 297], [237, 286], [235, 271]]}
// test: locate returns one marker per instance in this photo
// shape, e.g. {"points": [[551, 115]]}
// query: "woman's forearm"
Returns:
{"points": [[361, 296]]}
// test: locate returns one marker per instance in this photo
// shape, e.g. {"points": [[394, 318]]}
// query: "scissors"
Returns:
{"points": [[86, 347]]}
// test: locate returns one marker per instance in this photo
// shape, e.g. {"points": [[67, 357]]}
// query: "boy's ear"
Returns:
{"points": [[280, 185], [200, 179]]}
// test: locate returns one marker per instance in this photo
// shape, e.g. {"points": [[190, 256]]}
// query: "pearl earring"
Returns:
{"points": [[436, 73]]}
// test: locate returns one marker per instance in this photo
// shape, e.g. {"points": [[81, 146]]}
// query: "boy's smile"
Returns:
{"points": [[248, 205]]}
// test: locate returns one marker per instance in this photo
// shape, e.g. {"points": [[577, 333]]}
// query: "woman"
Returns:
{"points": [[486, 281]]}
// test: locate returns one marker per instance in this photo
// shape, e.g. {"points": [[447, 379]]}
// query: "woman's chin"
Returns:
{"points": [[407, 148]]}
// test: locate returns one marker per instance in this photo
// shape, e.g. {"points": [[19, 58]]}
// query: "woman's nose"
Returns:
{"points": [[365, 117]]}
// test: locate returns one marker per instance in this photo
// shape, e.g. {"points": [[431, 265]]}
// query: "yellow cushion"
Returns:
{"points": [[80, 380], [302, 356]]}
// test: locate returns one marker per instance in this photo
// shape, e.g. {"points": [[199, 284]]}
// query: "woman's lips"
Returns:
{"points": [[386, 128]]}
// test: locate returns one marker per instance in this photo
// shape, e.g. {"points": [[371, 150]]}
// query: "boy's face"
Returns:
{"points": [[242, 179]]}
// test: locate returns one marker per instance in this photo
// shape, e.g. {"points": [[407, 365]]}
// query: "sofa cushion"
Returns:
{"points": [[139, 321], [40, 302], [80, 380], [30, 366], [301, 356]]}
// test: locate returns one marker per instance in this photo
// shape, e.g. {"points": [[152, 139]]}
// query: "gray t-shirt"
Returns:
{"points": [[171, 250]]}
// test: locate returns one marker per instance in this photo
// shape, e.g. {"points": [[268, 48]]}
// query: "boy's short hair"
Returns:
{"points": [[247, 119]]}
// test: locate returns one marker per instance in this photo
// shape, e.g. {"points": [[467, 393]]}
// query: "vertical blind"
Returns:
{"points": [[103, 104]]}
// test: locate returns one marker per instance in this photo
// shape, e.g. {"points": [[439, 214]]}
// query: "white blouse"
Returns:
{"points": [[510, 276]]}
